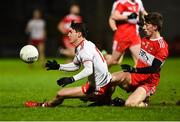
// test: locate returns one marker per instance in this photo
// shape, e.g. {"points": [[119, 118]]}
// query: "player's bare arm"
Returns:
{"points": [[117, 16], [112, 24]]}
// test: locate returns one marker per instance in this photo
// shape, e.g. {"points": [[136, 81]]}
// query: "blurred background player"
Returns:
{"points": [[37, 34], [123, 21], [97, 88], [143, 80], [64, 26]]}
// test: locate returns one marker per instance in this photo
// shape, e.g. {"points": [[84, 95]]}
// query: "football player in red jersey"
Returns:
{"points": [[143, 79], [123, 21], [64, 26]]}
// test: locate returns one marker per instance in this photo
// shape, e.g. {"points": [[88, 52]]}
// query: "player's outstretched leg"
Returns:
{"points": [[65, 93], [32, 104]]}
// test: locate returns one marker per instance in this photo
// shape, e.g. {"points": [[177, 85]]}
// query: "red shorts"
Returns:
{"points": [[67, 43], [122, 42], [101, 91], [147, 84], [36, 42]]}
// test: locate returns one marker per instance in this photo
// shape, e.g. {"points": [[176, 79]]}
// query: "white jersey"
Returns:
{"points": [[90, 57], [36, 28]]}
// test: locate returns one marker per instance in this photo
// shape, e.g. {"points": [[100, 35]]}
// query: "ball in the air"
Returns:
{"points": [[29, 54]]}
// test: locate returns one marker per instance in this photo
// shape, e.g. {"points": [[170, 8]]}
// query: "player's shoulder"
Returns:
{"points": [[31, 22], [162, 42], [72, 17], [121, 1], [86, 48], [40, 21], [88, 45]]}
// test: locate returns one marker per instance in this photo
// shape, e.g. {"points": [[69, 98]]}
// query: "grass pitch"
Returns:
{"points": [[19, 83]]}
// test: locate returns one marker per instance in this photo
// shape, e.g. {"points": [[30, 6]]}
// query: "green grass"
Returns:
{"points": [[19, 83]]}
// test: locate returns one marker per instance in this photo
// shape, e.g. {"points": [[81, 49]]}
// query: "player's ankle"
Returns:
{"points": [[46, 104]]}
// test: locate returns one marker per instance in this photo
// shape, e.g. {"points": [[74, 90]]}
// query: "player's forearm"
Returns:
{"points": [[156, 65], [112, 24], [87, 71], [147, 70], [69, 67]]}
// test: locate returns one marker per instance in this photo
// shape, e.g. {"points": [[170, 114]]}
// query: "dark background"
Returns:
{"points": [[14, 15]]}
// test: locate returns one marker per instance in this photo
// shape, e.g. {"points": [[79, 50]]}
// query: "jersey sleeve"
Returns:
{"points": [[69, 67], [114, 6], [86, 55], [120, 7], [86, 58], [88, 70]]}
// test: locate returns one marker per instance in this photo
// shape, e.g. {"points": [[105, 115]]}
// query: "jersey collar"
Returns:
{"points": [[156, 39], [80, 43]]}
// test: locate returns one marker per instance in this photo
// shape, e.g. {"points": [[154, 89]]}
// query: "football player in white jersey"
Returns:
{"points": [[97, 88], [37, 35]]}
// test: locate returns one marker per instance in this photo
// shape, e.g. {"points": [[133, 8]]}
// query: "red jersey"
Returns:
{"points": [[150, 49], [126, 7], [69, 18], [127, 33]]}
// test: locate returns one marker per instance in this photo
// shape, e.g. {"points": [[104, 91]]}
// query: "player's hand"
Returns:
{"points": [[128, 68], [132, 16], [65, 81], [52, 65]]}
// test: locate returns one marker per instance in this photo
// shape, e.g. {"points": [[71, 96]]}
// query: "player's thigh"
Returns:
{"points": [[136, 97], [135, 50], [122, 79], [71, 92]]}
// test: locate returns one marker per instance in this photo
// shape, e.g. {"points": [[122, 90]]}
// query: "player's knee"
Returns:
{"points": [[130, 103], [60, 94]]}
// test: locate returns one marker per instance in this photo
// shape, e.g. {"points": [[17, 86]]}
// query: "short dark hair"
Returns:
{"points": [[80, 27], [154, 18]]}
